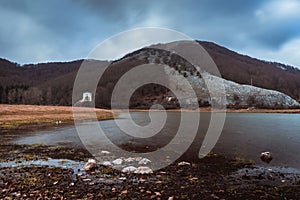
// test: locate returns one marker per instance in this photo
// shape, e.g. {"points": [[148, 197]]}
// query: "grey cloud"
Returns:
{"points": [[66, 30]]}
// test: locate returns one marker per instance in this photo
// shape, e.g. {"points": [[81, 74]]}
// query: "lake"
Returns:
{"points": [[244, 135]]}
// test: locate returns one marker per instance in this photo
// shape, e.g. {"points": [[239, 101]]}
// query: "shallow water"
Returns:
{"points": [[64, 163], [248, 134], [244, 134]]}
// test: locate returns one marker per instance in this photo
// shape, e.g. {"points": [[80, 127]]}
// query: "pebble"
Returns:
{"points": [[129, 169], [214, 196], [143, 170], [105, 152], [129, 160], [138, 159], [157, 193], [144, 161], [118, 161], [89, 165], [124, 192], [193, 179], [184, 163], [107, 163], [142, 180]]}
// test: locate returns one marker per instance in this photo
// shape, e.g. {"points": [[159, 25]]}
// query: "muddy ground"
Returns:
{"points": [[214, 177]]}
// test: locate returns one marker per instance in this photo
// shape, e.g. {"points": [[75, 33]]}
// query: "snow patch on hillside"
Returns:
{"points": [[235, 93]]}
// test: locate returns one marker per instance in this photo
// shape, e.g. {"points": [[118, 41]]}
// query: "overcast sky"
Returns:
{"points": [[41, 31]]}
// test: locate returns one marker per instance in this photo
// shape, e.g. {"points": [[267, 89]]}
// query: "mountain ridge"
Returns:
{"points": [[46, 77]]}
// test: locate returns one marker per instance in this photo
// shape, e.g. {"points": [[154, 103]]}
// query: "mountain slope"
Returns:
{"points": [[242, 69], [237, 95], [243, 96]]}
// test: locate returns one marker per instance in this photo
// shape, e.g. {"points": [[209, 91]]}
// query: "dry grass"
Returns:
{"points": [[13, 116]]}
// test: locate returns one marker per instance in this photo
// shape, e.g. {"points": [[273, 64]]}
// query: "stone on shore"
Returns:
{"points": [[107, 163], [90, 165], [144, 161], [129, 169], [105, 152], [130, 160], [118, 161], [184, 163], [143, 170]]}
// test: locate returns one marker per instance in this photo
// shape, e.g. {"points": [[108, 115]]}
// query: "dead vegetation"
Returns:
{"points": [[15, 116]]}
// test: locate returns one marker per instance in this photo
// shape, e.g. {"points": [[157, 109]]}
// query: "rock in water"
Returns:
{"points": [[90, 165], [266, 157]]}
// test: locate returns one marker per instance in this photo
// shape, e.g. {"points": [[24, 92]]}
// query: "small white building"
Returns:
{"points": [[170, 98], [86, 97]]}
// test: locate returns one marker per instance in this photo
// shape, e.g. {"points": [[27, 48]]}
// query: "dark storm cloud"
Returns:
{"points": [[34, 31], [117, 11]]}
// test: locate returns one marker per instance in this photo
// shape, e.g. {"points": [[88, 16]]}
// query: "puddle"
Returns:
{"points": [[91, 178], [63, 163]]}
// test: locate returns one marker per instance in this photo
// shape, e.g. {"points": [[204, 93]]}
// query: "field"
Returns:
{"points": [[17, 116]]}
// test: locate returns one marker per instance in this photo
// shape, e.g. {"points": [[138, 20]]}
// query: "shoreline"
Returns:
{"points": [[212, 177], [207, 110]]}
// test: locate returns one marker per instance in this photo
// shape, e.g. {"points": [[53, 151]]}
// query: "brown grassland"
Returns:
{"points": [[15, 116]]}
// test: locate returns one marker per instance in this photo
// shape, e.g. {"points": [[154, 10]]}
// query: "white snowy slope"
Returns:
{"points": [[235, 93]]}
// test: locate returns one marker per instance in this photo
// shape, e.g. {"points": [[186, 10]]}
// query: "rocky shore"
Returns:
{"points": [[53, 172]]}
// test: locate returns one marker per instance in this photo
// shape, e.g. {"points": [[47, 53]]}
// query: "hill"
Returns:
{"points": [[52, 83], [242, 69]]}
